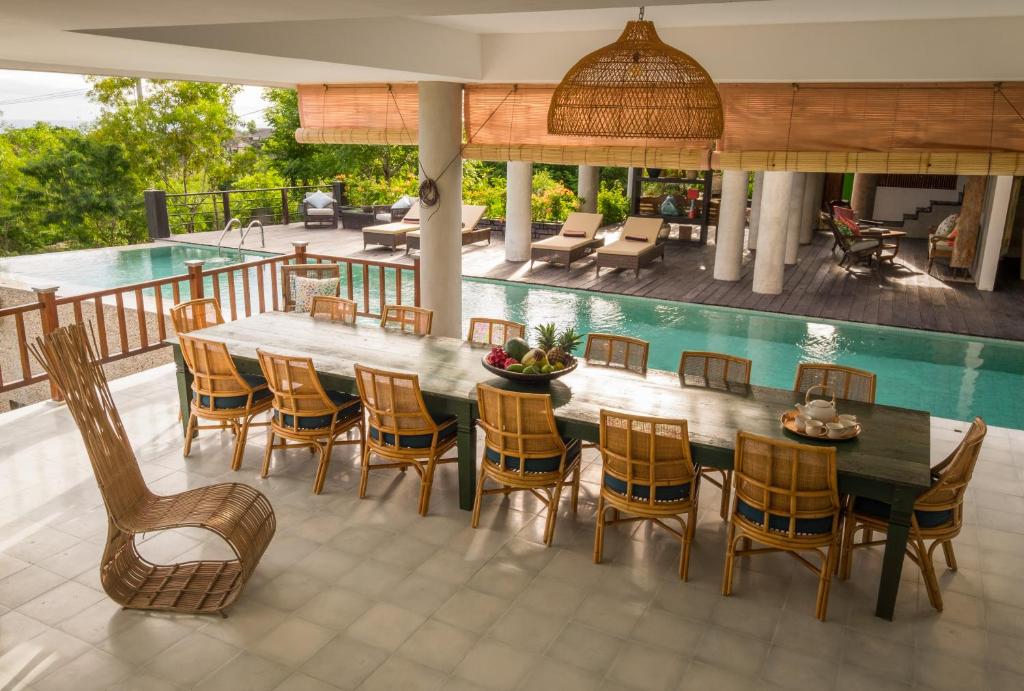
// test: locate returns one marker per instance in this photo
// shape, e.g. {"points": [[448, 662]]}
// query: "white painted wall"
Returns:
{"points": [[892, 202]]}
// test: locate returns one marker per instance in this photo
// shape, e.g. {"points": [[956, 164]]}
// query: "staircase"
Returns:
{"points": [[918, 222]]}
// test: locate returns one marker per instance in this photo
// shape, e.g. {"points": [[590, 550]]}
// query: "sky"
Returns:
{"points": [[61, 99]]}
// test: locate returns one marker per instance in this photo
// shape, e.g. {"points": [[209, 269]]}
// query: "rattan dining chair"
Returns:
{"points": [[847, 383], [495, 332], [289, 272], [523, 451], [402, 431], [237, 513], [610, 350], [716, 370], [334, 309], [938, 514], [647, 473], [408, 319], [196, 314], [306, 414], [221, 394], [786, 498]]}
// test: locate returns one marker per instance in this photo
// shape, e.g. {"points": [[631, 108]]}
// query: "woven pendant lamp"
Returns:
{"points": [[638, 87]]}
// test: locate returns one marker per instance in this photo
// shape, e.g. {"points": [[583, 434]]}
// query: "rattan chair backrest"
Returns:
{"points": [[648, 451], [334, 309], [393, 402], [493, 331], [952, 476], [213, 371], [609, 350], [296, 387], [519, 425], [318, 271], [713, 369], [847, 383], [794, 482], [196, 314], [415, 320]]}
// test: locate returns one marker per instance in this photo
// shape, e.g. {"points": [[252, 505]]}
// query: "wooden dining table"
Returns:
{"points": [[889, 461]]}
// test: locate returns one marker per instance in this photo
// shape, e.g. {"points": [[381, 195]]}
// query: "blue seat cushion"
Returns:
{"points": [[419, 441], [804, 526], [879, 509], [548, 464], [230, 402], [322, 421], [643, 492]]}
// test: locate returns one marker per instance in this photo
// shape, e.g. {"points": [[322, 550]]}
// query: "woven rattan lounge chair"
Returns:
{"points": [[305, 414], [494, 332], [574, 241], [471, 215], [237, 513], [408, 319], [320, 215], [402, 431], [334, 309], [610, 350], [795, 486], [642, 241], [698, 368], [523, 451], [221, 394], [318, 271], [648, 474], [196, 314], [848, 383], [392, 235], [938, 514]]}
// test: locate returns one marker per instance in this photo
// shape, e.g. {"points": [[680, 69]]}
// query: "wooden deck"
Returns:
{"points": [[905, 296]]}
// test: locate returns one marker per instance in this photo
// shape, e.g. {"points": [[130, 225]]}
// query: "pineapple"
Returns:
{"points": [[547, 336], [561, 352]]}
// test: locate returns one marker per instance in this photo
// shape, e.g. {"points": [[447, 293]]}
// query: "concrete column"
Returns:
{"points": [[731, 221], [755, 210], [440, 140], [589, 182], [518, 212], [795, 217], [862, 197], [997, 209], [769, 263], [630, 181], [813, 186]]}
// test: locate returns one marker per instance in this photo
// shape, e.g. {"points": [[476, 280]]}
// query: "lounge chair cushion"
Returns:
{"points": [[580, 221], [306, 288], [396, 228], [319, 200], [879, 509], [420, 441], [231, 402], [804, 526], [626, 247], [863, 245], [561, 243], [314, 211], [548, 464], [643, 492], [322, 421]]}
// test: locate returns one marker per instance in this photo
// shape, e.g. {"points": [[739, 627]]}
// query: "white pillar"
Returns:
{"points": [[811, 204], [796, 213], [755, 210], [440, 143], [731, 221], [993, 228], [769, 264], [518, 211], [589, 182]]}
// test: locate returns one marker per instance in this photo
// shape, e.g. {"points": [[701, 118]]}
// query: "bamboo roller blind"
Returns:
{"points": [[360, 108]]}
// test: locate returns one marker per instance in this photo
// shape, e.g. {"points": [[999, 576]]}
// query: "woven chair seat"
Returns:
{"points": [[804, 526], [548, 464], [420, 441], [340, 398], [239, 400], [872, 508], [663, 493], [232, 510]]}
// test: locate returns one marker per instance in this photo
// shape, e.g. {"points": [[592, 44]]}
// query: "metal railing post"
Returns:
{"points": [[300, 250], [47, 297], [225, 202], [285, 214], [195, 278], [156, 214]]}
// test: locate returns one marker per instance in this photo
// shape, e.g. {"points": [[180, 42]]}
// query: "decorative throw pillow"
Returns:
{"points": [[574, 234], [319, 200], [637, 238], [947, 225], [307, 288], [844, 227]]}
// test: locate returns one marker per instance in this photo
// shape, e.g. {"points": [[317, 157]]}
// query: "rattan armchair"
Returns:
{"points": [[848, 383], [787, 499], [333, 309], [699, 368], [402, 431], [938, 514], [609, 350], [495, 332], [648, 473], [414, 320], [196, 314], [237, 513], [319, 271], [523, 451], [221, 394], [306, 414]]}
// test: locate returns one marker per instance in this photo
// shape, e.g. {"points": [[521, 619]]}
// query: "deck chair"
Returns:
{"points": [[574, 241], [393, 234], [642, 241], [471, 215]]}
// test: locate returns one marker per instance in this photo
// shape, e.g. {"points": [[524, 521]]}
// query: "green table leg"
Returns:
{"points": [[184, 377], [895, 549], [467, 457]]}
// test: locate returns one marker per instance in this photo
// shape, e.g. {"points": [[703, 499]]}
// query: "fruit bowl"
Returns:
{"points": [[523, 377]]}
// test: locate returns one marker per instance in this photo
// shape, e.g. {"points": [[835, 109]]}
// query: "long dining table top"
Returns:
{"points": [[893, 449]]}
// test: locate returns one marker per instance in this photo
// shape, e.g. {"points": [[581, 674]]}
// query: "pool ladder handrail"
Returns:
{"points": [[245, 233], [227, 227]]}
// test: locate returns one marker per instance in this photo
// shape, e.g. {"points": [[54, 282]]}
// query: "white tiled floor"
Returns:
{"points": [[366, 594]]}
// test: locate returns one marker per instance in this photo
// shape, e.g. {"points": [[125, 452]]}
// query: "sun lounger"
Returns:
{"points": [[393, 234], [471, 215], [642, 242], [575, 240]]}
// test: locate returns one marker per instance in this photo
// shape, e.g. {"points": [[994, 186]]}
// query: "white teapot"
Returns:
{"points": [[818, 409]]}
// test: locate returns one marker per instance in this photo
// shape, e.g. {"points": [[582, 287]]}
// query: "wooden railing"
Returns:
{"points": [[242, 289]]}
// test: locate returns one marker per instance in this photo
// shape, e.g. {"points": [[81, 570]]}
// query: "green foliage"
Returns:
{"points": [[484, 183], [551, 200], [612, 202], [366, 191]]}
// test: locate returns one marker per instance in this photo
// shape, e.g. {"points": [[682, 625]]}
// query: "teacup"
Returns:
{"points": [[815, 428], [848, 420], [800, 421], [836, 430]]}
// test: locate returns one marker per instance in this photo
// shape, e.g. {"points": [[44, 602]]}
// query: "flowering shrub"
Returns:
{"points": [[551, 200], [612, 202]]}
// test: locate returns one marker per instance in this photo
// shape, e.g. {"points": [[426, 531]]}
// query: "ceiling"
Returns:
{"points": [[270, 42]]}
